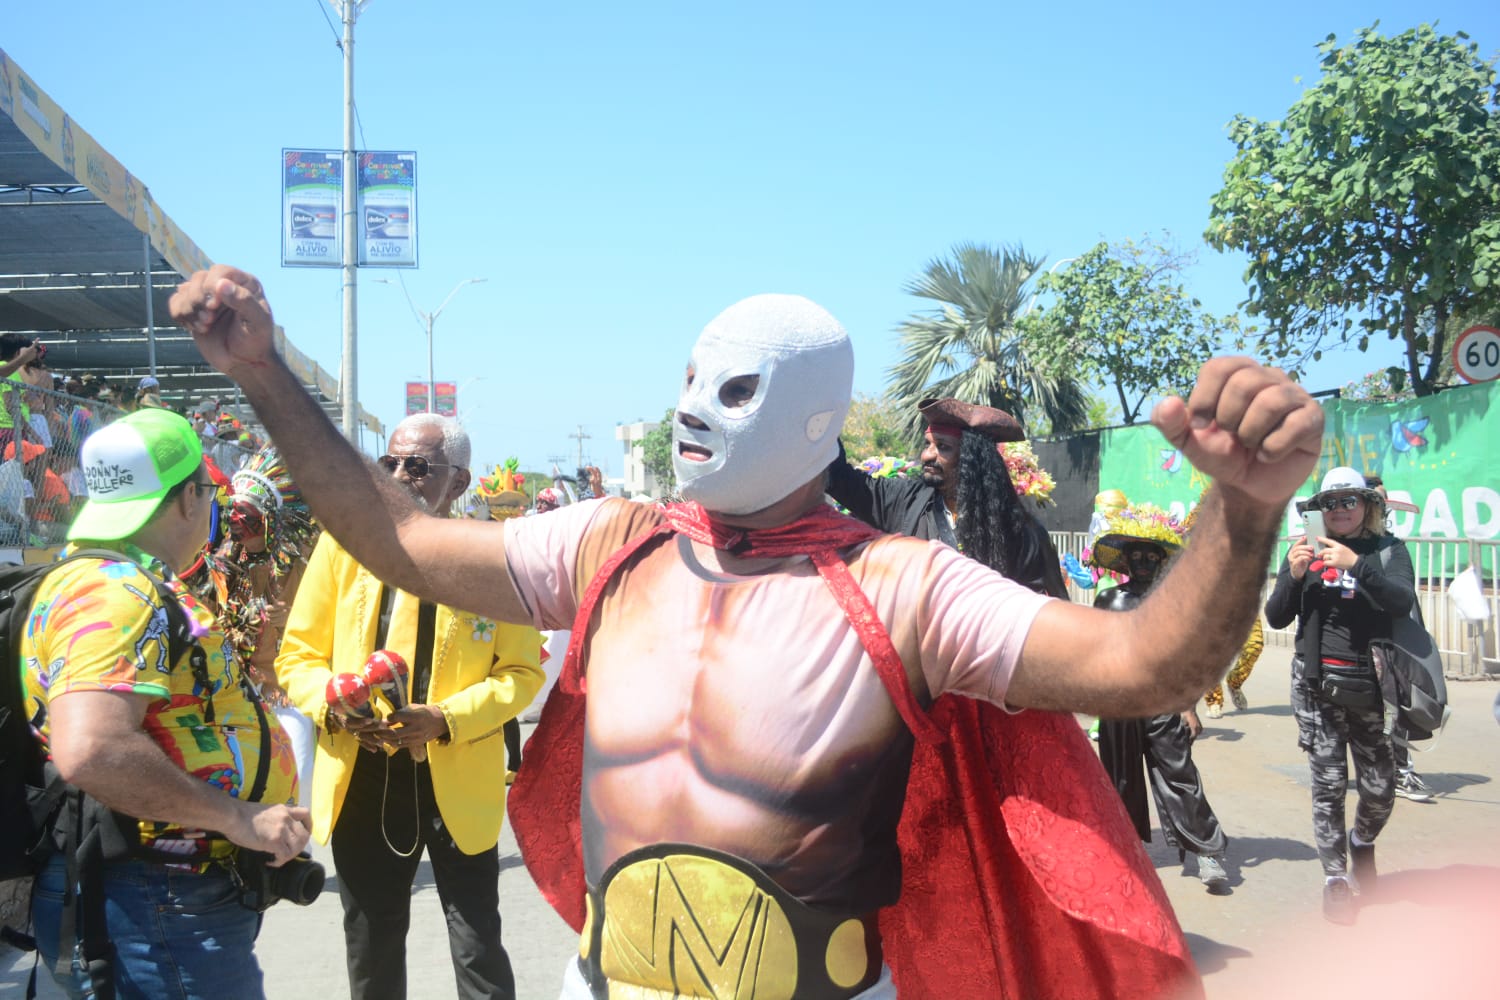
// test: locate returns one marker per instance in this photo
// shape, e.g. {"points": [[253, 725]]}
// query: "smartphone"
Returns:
{"points": [[1312, 520]]}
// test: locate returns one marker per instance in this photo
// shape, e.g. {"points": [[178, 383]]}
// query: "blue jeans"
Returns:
{"points": [[175, 934]]}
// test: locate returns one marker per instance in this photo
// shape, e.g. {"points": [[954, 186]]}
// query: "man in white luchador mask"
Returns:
{"points": [[800, 766]]}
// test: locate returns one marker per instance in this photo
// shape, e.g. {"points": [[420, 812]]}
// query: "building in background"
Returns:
{"points": [[636, 478]]}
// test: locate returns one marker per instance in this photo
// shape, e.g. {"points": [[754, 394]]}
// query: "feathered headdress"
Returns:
{"points": [[264, 487]]}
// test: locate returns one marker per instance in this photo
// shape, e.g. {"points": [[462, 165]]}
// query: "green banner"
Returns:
{"points": [[1438, 452]]}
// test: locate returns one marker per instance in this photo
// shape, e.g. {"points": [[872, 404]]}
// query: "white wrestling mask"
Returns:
{"points": [[769, 380]]}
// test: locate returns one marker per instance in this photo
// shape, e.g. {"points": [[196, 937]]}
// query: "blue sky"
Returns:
{"points": [[619, 173]]}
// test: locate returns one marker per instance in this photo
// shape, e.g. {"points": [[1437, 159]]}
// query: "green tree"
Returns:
{"points": [[1121, 318], [1373, 207], [656, 453], [876, 426], [1392, 383], [969, 346]]}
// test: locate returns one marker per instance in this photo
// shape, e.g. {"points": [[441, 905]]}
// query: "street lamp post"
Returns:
{"points": [[427, 319]]}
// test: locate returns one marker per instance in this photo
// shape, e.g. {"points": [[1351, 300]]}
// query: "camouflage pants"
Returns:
{"points": [[1329, 734]]}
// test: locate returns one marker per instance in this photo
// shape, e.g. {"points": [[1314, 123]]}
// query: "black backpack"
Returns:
{"points": [[1413, 681], [39, 812]]}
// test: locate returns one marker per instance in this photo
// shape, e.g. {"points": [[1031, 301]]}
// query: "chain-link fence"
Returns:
{"points": [[42, 488]]}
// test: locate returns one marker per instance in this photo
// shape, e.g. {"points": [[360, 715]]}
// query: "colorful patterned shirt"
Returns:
{"points": [[100, 626]]}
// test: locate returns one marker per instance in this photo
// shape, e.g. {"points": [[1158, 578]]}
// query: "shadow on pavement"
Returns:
{"points": [[1221, 734], [1436, 886], [424, 879], [1247, 852], [1265, 710], [1211, 956], [1444, 782]]}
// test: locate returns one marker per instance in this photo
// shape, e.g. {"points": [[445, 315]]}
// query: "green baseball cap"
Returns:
{"points": [[129, 466]]}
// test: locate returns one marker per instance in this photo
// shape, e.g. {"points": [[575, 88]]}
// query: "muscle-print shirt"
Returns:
{"points": [[765, 674]]}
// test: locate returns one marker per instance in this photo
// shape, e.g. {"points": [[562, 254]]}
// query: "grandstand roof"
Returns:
{"points": [[78, 233]]}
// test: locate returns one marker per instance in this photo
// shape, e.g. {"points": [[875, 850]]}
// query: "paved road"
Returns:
{"points": [[1441, 882]]}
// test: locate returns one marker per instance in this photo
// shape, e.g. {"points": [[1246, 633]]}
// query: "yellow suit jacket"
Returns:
{"points": [[484, 673]]}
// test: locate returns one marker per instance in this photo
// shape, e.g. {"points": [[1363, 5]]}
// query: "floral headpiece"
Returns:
{"points": [[1134, 524], [501, 492], [1026, 473], [888, 467]]}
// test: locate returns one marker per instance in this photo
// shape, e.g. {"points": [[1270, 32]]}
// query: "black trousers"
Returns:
{"points": [[512, 733], [1165, 747], [375, 884]]}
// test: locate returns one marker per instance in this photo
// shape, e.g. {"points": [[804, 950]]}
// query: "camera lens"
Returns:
{"points": [[298, 881]]}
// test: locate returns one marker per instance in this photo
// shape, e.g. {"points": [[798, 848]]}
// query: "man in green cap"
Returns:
{"points": [[142, 706]]}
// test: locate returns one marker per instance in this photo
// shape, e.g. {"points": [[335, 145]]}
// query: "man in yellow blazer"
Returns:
{"points": [[468, 676]]}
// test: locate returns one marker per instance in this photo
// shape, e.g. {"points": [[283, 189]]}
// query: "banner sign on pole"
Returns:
{"points": [[388, 209], [416, 398], [447, 398], [311, 195]]}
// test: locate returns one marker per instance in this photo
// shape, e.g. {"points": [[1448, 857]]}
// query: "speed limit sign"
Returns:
{"points": [[1476, 354]]}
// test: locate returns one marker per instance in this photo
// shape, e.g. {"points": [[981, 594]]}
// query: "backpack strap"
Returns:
{"points": [[1386, 545], [92, 835]]}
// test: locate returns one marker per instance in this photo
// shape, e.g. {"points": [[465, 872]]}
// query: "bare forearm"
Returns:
{"points": [[1195, 620], [1162, 655], [453, 562], [337, 481], [130, 774]]}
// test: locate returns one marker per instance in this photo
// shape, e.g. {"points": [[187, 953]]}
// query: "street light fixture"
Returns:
{"points": [[458, 395], [1031, 303], [427, 319]]}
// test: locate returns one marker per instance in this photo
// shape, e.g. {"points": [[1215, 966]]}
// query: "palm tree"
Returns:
{"points": [[970, 348]]}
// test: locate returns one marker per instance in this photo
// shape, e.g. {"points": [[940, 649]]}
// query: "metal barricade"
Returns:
{"points": [[1468, 648]]}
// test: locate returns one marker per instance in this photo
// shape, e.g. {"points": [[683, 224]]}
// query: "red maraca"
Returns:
{"points": [[349, 694], [385, 671]]}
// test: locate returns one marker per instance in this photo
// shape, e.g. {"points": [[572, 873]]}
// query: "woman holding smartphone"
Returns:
{"points": [[1343, 595]]}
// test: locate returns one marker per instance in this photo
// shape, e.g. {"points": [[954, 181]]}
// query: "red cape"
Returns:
{"points": [[1022, 875]]}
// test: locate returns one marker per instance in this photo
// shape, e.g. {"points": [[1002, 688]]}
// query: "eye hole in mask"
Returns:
{"points": [[738, 391]]}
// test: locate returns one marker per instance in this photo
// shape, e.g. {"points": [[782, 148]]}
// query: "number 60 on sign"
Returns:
{"points": [[1476, 354]]}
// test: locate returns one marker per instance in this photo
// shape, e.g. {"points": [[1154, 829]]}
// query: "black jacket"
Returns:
{"points": [[911, 507]]}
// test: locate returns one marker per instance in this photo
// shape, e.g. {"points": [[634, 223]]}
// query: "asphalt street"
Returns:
{"points": [[1433, 915]]}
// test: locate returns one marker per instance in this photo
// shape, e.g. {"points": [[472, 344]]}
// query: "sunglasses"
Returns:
{"points": [[213, 509], [416, 466], [1339, 503]]}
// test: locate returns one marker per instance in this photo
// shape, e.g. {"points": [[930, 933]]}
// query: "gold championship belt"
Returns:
{"points": [[676, 920]]}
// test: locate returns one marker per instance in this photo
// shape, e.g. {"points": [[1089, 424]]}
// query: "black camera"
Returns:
{"points": [[298, 881]]}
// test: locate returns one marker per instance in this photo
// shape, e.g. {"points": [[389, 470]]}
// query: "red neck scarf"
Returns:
{"points": [[819, 530]]}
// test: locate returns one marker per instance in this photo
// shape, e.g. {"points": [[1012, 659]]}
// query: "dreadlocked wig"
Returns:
{"points": [[992, 523]]}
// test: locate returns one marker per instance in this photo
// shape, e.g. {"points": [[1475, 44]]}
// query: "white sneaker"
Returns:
{"points": [[1211, 872], [1409, 785], [1214, 711], [1238, 697]]}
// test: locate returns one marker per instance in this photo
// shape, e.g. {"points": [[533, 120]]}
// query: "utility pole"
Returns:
{"points": [[581, 436], [349, 11]]}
